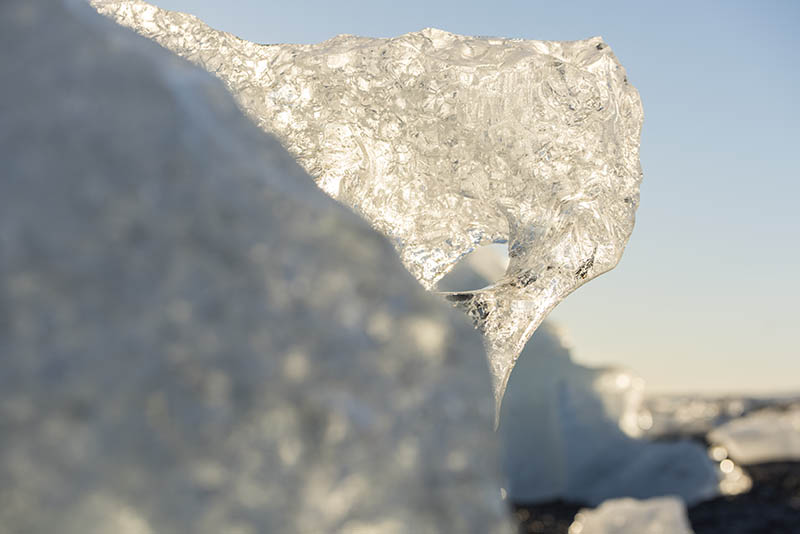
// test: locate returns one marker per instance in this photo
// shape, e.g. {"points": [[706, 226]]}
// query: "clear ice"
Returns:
{"points": [[445, 143]]}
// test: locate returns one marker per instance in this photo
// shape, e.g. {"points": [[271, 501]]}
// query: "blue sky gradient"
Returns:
{"points": [[706, 297]]}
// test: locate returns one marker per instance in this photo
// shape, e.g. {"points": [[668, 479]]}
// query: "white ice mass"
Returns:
{"points": [[446, 143], [571, 432], [664, 515], [763, 436], [193, 337]]}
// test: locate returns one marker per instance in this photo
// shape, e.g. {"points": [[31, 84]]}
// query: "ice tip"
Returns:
{"points": [[498, 406], [436, 34], [430, 30]]}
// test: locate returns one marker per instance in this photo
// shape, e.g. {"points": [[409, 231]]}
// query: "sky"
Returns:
{"points": [[706, 298]]}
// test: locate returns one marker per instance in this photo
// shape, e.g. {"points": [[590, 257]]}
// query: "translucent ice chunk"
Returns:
{"points": [[446, 143]]}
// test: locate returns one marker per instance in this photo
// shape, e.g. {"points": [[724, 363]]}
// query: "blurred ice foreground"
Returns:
{"points": [[193, 337]]}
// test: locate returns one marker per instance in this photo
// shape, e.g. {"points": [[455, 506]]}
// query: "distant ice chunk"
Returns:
{"points": [[693, 415], [446, 143], [571, 432], [193, 337], [664, 515], [763, 436]]}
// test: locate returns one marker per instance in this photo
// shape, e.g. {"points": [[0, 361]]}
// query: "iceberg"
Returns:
{"points": [[446, 143], [194, 337]]}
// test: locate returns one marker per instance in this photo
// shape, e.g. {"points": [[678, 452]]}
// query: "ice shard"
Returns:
{"points": [[446, 143]]}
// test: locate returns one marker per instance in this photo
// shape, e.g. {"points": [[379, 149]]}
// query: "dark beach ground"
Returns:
{"points": [[772, 506]]}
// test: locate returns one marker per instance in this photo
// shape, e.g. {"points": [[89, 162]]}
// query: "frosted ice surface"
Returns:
{"points": [[664, 515], [763, 436], [445, 143], [193, 337]]}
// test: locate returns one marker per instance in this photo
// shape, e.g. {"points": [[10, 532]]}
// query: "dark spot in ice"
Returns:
{"points": [[481, 311], [583, 270], [475, 307], [459, 297], [525, 279], [601, 46]]}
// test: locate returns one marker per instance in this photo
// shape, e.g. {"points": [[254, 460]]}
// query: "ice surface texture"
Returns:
{"points": [[193, 337], [445, 143]]}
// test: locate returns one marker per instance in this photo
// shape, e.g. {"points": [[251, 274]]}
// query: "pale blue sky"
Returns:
{"points": [[706, 296]]}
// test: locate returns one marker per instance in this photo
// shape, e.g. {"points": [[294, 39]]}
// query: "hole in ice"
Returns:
{"points": [[481, 267]]}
